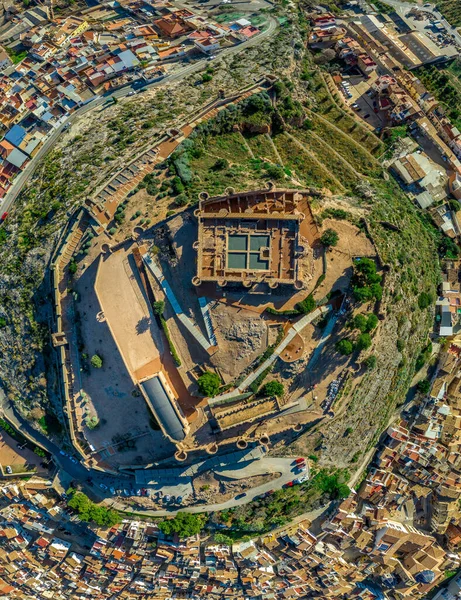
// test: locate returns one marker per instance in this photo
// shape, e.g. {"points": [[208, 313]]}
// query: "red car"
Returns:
{"points": [[289, 484], [299, 461], [3, 217]]}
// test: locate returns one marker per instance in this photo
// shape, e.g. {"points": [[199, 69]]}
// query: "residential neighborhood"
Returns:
{"points": [[66, 63]]}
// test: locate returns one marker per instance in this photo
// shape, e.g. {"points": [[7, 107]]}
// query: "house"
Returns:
{"points": [[207, 45]]}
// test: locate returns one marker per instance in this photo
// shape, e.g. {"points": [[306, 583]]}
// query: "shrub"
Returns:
{"points": [[329, 238], [307, 305], [159, 307], [345, 347], [274, 172], [273, 388], [424, 300], [96, 361], [209, 384], [206, 77], [73, 267], [220, 164], [181, 200], [370, 362]]}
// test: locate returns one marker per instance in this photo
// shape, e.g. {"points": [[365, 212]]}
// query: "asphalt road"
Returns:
{"points": [[180, 74], [77, 471], [73, 468]]}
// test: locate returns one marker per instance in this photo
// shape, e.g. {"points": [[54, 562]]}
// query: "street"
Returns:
{"points": [[200, 65]]}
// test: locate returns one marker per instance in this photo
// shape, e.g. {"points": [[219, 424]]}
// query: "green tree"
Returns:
{"points": [[362, 294], [376, 291], [363, 342], [221, 538], [177, 185], [159, 307], [96, 361], [424, 386], [209, 384], [372, 322], [273, 388], [359, 322], [329, 238], [345, 347], [184, 524]]}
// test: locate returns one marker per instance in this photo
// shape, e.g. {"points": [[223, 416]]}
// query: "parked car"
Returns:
{"points": [[73, 459], [62, 453], [298, 461], [132, 93], [239, 496], [9, 469], [366, 116], [166, 498], [112, 491], [3, 217]]}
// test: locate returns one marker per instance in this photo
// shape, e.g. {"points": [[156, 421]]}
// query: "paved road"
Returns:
{"points": [[75, 469], [180, 74], [284, 466], [81, 473]]}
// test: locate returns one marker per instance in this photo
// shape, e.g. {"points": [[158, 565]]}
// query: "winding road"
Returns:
{"points": [[70, 465], [180, 74]]}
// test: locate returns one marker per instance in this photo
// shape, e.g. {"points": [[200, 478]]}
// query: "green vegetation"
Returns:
{"points": [[364, 323], [444, 83], [92, 422], [96, 361], [363, 342], [272, 388], [265, 513], [329, 238], [307, 305], [366, 281], [345, 347], [73, 267], [370, 362], [171, 346], [425, 300], [424, 386], [16, 55], [159, 307], [209, 384], [90, 512], [183, 524]]}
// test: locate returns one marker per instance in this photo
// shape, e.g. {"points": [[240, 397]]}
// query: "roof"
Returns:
{"points": [[163, 408]]}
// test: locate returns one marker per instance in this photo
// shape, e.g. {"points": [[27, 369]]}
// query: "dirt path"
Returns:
{"points": [[316, 160], [344, 134]]}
